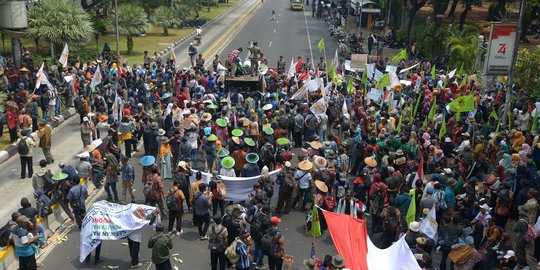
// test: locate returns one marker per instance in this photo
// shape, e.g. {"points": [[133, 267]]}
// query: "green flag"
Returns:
{"points": [[331, 71], [442, 131], [460, 71], [350, 85], [401, 55], [424, 125], [411, 212], [320, 45], [399, 122], [432, 110], [493, 115], [390, 102], [464, 81], [384, 81], [462, 104], [433, 72], [315, 222], [416, 106], [364, 78], [458, 116], [498, 126], [535, 123]]}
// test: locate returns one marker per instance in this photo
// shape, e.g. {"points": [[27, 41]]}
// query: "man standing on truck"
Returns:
{"points": [[255, 54]]}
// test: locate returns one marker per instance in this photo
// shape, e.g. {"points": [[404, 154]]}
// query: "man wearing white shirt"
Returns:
{"points": [[464, 143]]}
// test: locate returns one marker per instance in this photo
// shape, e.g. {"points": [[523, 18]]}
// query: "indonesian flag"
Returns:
{"points": [[419, 172], [298, 65], [351, 240]]}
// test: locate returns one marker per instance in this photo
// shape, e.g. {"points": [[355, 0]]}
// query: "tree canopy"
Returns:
{"points": [[59, 22]]}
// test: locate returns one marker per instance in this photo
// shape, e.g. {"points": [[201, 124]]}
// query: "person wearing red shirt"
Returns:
{"points": [[12, 125]]}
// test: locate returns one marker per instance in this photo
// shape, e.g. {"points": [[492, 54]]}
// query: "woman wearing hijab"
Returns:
{"points": [[525, 151], [165, 160]]}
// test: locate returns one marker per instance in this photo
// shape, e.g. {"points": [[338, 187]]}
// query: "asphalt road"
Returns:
{"points": [[291, 34], [287, 36]]}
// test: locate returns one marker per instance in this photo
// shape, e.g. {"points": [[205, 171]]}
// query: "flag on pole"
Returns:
{"points": [[336, 59], [345, 111], [292, 69], [384, 81], [320, 45], [315, 222], [493, 115], [452, 73], [401, 55], [411, 212], [429, 224], [462, 104], [416, 106], [460, 71], [64, 56], [42, 78], [298, 66], [96, 79], [442, 131], [464, 81], [399, 122], [350, 85], [172, 56], [433, 72], [432, 110], [534, 124]]}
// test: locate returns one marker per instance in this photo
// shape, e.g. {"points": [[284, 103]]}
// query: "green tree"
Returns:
{"points": [[165, 17], [132, 21], [413, 6], [463, 46], [527, 70], [59, 22]]}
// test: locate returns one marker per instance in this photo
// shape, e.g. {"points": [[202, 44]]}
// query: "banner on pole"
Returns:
{"points": [[501, 48]]}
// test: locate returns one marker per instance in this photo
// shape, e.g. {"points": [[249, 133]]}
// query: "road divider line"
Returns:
{"points": [[274, 30], [309, 39], [270, 45], [234, 27]]}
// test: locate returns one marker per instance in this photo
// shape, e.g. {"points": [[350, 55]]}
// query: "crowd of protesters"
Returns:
{"points": [[366, 157]]}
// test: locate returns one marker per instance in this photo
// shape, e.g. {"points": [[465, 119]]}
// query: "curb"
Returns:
{"points": [[11, 150]]}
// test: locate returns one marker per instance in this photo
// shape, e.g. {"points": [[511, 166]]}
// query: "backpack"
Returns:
{"points": [[4, 234], [221, 191], [172, 204], [230, 251], [391, 221], [215, 242], [288, 183], [378, 201], [22, 147], [531, 234], [266, 244], [267, 153], [440, 199], [44, 209], [257, 227], [148, 189], [47, 182], [340, 191]]}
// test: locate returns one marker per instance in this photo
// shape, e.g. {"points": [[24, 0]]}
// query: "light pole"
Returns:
{"points": [[479, 47], [513, 68], [116, 25]]}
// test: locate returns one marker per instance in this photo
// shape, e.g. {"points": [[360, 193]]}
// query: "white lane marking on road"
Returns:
{"points": [[309, 39], [274, 30], [277, 21], [270, 45]]}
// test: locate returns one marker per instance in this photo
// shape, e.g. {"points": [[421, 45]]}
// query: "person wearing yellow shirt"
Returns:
{"points": [[126, 129]]}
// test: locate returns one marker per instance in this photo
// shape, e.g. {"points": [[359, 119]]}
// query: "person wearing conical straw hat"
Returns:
{"points": [[209, 149], [251, 168], [303, 176], [227, 167]]}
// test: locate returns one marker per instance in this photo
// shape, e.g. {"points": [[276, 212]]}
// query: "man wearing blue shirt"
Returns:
{"points": [[22, 241], [77, 196], [242, 250]]}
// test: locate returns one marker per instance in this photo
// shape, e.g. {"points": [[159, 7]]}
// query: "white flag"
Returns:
{"points": [[394, 79], [64, 57], [452, 73], [429, 225], [336, 60], [42, 78], [292, 69], [370, 68], [345, 111], [318, 107], [301, 93], [96, 79]]}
